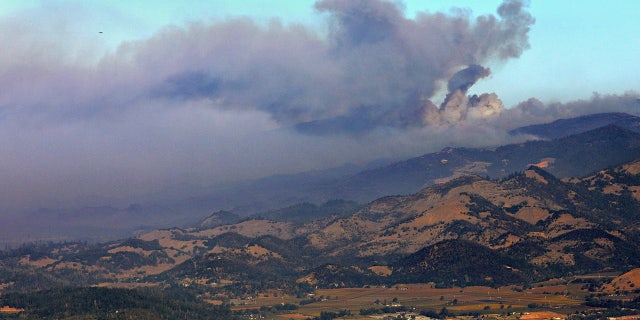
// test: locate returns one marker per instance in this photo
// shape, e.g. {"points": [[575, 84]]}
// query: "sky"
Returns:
{"points": [[105, 101]]}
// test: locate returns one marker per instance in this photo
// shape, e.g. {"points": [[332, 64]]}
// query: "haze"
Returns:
{"points": [[86, 122]]}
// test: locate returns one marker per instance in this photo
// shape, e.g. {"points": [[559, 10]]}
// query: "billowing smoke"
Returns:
{"points": [[227, 100], [398, 63], [534, 111], [375, 67], [464, 79], [458, 107]]}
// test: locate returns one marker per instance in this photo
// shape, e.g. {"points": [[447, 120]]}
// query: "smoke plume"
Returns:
{"points": [[457, 106], [373, 68], [534, 111], [226, 100]]}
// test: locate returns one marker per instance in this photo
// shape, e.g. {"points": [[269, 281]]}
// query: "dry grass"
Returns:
{"points": [[127, 285], [253, 229], [426, 297], [542, 315], [293, 316], [532, 214], [534, 175], [259, 251], [632, 168], [626, 282], [381, 270], [40, 263], [139, 251], [477, 168], [7, 309]]}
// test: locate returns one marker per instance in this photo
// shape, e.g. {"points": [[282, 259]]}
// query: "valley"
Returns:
{"points": [[417, 298]]}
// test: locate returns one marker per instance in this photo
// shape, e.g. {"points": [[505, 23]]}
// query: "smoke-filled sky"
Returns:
{"points": [[104, 101]]}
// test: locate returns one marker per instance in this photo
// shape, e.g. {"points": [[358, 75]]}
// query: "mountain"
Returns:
{"points": [[104, 223], [306, 212], [529, 226], [458, 262], [219, 218], [577, 139], [527, 206], [566, 127], [572, 156], [526, 227]]}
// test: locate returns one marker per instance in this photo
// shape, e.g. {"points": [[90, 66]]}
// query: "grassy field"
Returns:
{"points": [[559, 298]]}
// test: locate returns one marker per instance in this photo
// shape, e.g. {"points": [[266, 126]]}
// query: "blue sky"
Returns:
{"points": [[577, 47]]}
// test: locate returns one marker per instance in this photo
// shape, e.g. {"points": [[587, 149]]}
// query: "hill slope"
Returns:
{"points": [[571, 156], [470, 230]]}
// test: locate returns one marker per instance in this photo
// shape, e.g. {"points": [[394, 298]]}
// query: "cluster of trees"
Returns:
{"points": [[606, 308], [328, 315], [109, 303], [442, 314]]}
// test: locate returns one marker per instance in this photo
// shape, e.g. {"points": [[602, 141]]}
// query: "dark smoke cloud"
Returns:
{"points": [[372, 69], [399, 62], [214, 102], [465, 78], [516, 25], [457, 106], [190, 85], [361, 22]]}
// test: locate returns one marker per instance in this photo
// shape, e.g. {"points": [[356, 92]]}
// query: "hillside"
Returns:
{"points": [[550, 225], [528, 226], [626, 282], [306, 212], [458, 262], [571, 156]]}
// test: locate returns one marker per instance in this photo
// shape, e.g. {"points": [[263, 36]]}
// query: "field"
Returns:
{"points": [[560, 299]]}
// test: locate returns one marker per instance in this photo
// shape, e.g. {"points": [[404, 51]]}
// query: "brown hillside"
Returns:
{"points": [[629, 281], [531, 223], [406, 224], [608, 180], [252, 229]]}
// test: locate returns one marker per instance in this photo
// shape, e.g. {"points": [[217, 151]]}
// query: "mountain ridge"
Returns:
{"points": [[563, 157], [526, 227], [565, 127], [572, 156]]}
